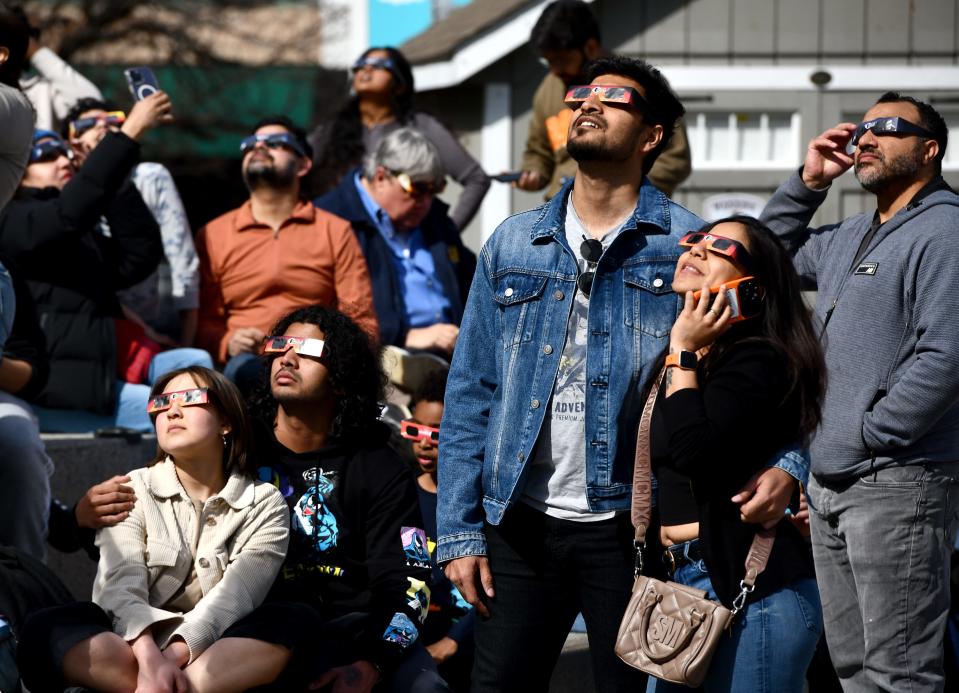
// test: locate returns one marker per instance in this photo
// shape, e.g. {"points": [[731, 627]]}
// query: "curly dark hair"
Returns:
{"points": [[431, 389], [342, 149], [665, 108], [226, 399], [355, 373]]}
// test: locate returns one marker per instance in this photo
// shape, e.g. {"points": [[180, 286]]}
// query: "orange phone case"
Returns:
{"points": [[744, 296]]}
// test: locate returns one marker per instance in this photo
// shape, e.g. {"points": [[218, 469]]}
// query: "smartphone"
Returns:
{"points": [[743, 296], [142, 81], [507, 177]]}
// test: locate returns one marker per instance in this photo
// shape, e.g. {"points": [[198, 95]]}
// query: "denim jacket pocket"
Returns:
{"points": [[649, 304], [518, 294]]}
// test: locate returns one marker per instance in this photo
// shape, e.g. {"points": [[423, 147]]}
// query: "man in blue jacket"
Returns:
{"points": [[418, 265], [883, 489], [570, 305]]}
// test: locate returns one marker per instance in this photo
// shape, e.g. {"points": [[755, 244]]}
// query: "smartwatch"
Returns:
{"points": [[684, 360]]}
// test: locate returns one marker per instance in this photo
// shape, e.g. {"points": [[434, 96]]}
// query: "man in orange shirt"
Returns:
{"points": [[274, 253]]}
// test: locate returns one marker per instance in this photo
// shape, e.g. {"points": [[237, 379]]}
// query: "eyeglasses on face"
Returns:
{"points": [[280, 344], [375, 63], [49, 150], [277, 140], [416, 431], [418, 188], [185, 398], [727, 247], [889, 126], [111, 119], [607, 93], [591, 250]]}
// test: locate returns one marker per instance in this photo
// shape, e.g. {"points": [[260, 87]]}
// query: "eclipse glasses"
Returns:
{"points": [[49, 150], [727, 247], [303, 346], [185, 398], [889, 126], [277, 140], [415, 431], [81, 125], [418, 188], [607, 93]]}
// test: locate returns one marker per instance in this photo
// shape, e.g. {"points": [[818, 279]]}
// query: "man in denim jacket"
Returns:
{"points": [[542, 407]]}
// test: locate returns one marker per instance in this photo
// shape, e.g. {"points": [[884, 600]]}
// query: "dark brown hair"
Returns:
{"points": [[226, 398]]}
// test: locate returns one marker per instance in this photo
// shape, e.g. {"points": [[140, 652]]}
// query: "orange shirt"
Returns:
{"points": [[251, 275]]}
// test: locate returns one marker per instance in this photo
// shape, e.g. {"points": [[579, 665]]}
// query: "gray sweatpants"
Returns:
{"points": [[882, 545]]}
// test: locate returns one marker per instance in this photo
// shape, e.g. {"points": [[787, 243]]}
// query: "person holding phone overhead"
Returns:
{"points": [[734, 390]]}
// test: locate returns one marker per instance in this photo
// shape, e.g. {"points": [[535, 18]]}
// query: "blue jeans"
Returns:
{"points": [[882, 545], [245, 370], [770, 644], [130, 410]]}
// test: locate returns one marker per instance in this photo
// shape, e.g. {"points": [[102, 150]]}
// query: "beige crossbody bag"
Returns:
{"points": [[669, 630]]}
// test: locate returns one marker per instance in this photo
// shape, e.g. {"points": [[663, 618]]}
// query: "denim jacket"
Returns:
{"points": [[508, 353], [507, 356]]}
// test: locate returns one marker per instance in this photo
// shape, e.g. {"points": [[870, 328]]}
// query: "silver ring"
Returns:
{"points": [[714, 312]]}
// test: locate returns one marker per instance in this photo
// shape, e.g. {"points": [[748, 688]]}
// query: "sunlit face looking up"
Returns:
{"points": [[698, 266]]}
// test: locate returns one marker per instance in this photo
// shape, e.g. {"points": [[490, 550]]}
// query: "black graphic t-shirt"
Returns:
{"points": [[357, 543]]}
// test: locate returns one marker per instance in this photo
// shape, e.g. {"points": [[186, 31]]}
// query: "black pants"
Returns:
{"points": [[545, 571]]}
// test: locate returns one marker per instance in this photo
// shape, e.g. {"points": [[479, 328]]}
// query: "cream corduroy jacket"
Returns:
{"points": [[144, 560]]}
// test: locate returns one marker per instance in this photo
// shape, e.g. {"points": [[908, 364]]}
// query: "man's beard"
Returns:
{"points": [[262, 173], [880, 173], [582, 150]]}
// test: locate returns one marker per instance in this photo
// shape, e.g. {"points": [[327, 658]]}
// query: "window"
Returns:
{"points": [[744, 140]]}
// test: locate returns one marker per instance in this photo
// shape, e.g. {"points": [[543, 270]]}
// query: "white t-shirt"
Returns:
{"points": [[556, 483]]}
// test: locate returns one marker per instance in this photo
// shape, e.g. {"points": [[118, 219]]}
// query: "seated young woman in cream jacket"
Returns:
{"points": [[199, 550]]}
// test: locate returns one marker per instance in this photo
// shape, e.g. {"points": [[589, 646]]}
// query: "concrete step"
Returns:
{"points": [[80, 461]]}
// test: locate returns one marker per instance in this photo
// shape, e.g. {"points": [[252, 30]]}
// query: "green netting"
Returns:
{"points": [[216, 106]]}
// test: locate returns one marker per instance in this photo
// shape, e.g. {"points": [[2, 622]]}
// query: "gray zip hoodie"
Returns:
{"points": [[891, 329]]}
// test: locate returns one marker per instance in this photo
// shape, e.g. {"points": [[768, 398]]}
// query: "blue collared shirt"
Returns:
{"points": [[426, 303]]}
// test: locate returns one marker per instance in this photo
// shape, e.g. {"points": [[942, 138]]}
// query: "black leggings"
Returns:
{"points": [[48, 634]]}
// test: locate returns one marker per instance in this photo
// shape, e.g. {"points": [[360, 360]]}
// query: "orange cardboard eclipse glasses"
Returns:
{"points": [[607, 93], [185, 398], [304, 346], [415, 431]]}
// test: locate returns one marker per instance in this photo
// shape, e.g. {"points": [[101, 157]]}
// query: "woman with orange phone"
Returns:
{"points": [[743, 378]]}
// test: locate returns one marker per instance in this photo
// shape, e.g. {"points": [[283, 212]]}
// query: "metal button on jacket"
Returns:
{"points": [[559, 295], [534, 404], [508, 292], [204, 563], [547, 350], [657, 282], [210, 521]]}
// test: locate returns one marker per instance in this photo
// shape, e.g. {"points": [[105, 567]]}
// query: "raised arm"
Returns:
{"points": [[462, 167], [792, 206]]}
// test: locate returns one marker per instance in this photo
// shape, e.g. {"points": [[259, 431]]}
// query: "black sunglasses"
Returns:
{"points": [[591, 250]]}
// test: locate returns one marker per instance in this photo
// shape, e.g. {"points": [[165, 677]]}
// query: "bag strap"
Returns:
{"points": [[641, 509]]}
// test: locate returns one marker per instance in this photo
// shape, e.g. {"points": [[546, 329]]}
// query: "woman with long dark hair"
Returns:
{"points": [[199, 551], [734, 393], [381, 101]]}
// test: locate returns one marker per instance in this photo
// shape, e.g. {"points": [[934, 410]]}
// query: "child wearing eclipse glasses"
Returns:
{"points": [[448, 631]]}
